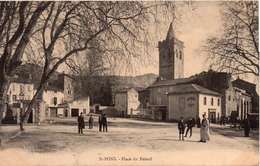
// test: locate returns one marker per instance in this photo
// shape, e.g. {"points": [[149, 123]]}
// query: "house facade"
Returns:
{"points": [[231, 97], [193, 101], [74, 108], [52, 96], [19, 95], [59, 90], [130, 101]]}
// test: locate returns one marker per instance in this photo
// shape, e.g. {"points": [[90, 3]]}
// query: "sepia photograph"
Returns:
{"points": [[172, 83]]}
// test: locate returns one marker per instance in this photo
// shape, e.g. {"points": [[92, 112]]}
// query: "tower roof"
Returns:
{"points": [[170, 34]]}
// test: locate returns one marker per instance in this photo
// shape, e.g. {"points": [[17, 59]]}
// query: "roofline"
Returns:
{"points": [[243, 81], [76, 99], [194, 92]]}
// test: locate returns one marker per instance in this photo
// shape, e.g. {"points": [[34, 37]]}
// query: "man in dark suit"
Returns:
{"points": [[90, 121], [190, 124], [104, 122], [198, 122], [181, 127], [100, 123], [81, 123], [246, 125]]}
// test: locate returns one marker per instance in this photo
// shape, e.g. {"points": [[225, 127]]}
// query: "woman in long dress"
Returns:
{"points": [[204, 130]]}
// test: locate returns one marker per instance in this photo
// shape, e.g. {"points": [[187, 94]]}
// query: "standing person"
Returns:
{"points": [[104, 122], [181, 127], [100, 122], [193, 121], [246, 124], [224, 120], [189, 125], [90, 122], [81, 123], [204, 130], [198, 122]]}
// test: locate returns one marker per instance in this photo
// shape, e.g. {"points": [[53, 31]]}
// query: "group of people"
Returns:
{"points": [[102, 121], [204, 128]]}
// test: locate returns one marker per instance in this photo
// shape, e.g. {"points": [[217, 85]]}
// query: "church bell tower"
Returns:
{"points": [[171, 57]]}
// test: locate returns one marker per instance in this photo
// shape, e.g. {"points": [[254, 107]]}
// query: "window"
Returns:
{"points": [[68, 85], [69, 92], [176, 53], [205, 100], [180, 55], [159, 100], [218, 102], [29, 88], [212, 101], [182, 102], [13, 87], [14, 98], [21, 88], [229, 98], [84, 111], [55, 100]]}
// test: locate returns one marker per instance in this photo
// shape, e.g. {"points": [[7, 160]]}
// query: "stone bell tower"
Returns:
{"points": [[171, 57]]}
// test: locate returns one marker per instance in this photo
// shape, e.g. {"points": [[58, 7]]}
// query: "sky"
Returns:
{"points": [[195, 27], [193, 30]]}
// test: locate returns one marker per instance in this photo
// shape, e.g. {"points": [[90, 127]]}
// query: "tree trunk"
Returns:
{"points": [[33, 102], [4, 85]]}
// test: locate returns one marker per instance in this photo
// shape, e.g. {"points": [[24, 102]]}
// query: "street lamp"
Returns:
{"points": [[21, 97]]}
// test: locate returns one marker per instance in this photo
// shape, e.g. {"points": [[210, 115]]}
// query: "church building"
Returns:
{"points": [[171, 57], [172, 95]]}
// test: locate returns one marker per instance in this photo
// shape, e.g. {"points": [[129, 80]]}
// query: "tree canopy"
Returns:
{"points": [[235, 48]]}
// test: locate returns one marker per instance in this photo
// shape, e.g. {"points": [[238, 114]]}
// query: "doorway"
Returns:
{"points": [[163, 114], [74, 112], [30, 119], [212, 115], [53, 112]]}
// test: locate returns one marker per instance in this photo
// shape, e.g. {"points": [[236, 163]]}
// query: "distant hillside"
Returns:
{"points": [[134, 81], [120, 82]]}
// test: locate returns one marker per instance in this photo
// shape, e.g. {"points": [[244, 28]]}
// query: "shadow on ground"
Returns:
{"points": [[234, 132]]}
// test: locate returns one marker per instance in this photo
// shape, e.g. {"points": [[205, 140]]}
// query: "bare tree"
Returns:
{"points": [[58, 30], [17, 22], [236, 48]]}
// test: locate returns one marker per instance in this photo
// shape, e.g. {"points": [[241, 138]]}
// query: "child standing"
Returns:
{"points": [[181, 127]]}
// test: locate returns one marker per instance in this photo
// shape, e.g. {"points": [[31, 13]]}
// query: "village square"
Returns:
{"points": [[61, 104]]}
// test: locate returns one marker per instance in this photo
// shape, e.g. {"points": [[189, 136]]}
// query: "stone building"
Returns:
{"points": [[193, 101], [171, 57], [129, 101], [236, 96], [56, 100]]}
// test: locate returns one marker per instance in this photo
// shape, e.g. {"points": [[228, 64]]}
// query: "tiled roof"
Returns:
{"points": [[170, 34], [21, 80], [250, 88], [194, 88], [191, 79], [125, 90]]}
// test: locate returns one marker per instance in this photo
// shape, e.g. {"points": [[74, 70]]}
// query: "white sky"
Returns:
{"points": [[195, 28]]}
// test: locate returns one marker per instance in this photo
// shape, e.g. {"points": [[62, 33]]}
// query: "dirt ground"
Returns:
{"points": [[128, 142]]}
